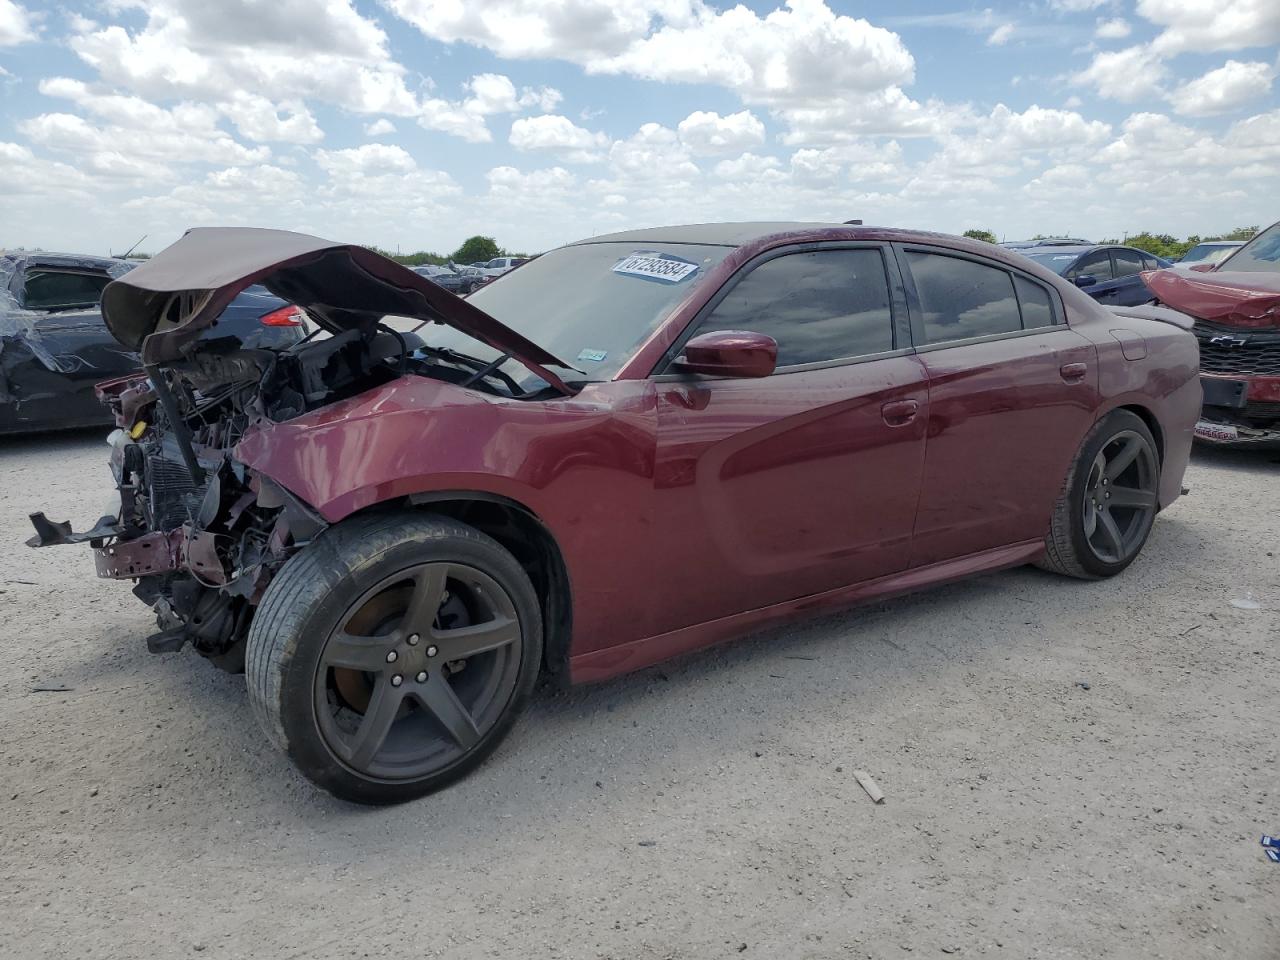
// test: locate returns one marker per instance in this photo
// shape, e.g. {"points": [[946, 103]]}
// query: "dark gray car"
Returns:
{"points": [[54, 346]]}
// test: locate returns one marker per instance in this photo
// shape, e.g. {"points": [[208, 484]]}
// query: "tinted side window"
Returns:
{"points": [[52, 289], [1095, 265], [1128, 262], [1037, 311], [962, 299], [1149, 263], [821, 305]]}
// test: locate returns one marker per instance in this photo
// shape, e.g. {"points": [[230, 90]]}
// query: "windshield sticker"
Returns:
{"points": [[593, 355], [660, 267]]}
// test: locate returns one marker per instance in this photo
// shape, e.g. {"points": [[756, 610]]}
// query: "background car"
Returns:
{"points": [[451, 280], [1209, 253], [54, 346], [1112, 275], [500, 265], [1236, 306], [795, 417]]}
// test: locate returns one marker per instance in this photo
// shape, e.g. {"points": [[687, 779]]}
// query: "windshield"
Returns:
{"points": [[590, 304], [1259, 255], [1057, 262], [1207, 253]]}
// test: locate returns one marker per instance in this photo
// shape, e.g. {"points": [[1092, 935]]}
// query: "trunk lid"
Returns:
{"points": [[160, 308]]}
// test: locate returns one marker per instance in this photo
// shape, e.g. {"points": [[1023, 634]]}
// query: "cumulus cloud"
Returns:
{"points": [[799, 53], [1000, 35], [1227, 88], [558, 134], [17, 24], [1207, 26], [379, 128], [1114, 29], [705, 132], [1126, 75]]}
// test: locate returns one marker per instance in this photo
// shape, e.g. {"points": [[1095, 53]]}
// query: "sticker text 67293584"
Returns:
{"points": [[662, 267]]}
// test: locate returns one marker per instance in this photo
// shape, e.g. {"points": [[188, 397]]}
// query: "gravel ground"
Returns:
{"points": [[1072, 769]]}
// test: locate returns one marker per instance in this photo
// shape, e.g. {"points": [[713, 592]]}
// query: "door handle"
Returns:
{"points": [[1073, 372], [898, 413]]}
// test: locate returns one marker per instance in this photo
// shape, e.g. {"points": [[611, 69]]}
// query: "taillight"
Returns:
{"points": [[286, 316]]}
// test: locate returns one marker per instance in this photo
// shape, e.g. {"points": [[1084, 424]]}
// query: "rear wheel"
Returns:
{"points": [[1104, 514], [392, 655]]}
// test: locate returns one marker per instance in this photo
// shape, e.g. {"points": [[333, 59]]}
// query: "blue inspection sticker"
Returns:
{"points": [[595, 356], [1268, 841], [1273, 854], [656, 267]]}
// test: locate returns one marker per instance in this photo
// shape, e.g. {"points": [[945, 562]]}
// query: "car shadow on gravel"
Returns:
{"points": [[1238, 459], [13, 446]]}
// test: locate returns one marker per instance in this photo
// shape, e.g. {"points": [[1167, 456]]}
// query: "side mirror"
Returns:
{"points": [[730, 353], [1085, 280], [1203, 267]]}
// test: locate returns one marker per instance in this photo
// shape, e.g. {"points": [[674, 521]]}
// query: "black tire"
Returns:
{"points": [[1071, 546], [302, 700]]}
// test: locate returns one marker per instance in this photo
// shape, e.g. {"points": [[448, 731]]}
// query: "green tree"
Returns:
{"points": [[476, 249], [1239, 233], [986, 235]]}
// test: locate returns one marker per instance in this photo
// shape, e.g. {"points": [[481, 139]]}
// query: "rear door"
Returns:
{"points": [[1012, 391], [774, 488], [1129, 288]]}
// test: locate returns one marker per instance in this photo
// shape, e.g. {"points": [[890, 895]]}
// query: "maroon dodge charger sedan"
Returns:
{"points": [[631, 447]]}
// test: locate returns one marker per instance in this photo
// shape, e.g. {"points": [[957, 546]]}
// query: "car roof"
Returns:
{"points": [[713, 234], [1221, 243], [45, 258]]}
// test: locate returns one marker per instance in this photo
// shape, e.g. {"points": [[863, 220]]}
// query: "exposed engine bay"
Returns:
{"points": [[201, 533]]}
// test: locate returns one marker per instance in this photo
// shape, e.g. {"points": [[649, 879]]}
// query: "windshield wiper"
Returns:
{"points": [[483, 368]]}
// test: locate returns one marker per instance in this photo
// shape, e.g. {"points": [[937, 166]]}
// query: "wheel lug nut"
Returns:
{"points": [[413, 639], [432, 650], [392, 657], [397, 680], [422, 676]]}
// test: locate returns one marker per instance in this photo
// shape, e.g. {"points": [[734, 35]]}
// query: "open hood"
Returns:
{"points": [[160, 308], [1233, 298]]}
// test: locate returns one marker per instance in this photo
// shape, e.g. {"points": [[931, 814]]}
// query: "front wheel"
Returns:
{"points": [[1109, 501], [392, 655]]}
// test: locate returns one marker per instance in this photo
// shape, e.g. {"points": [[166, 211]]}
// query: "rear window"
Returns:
{"points": [[962, 299], [47, 289]]}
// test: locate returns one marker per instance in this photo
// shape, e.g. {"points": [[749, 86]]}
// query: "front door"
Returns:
{"points": [[774, 488]]}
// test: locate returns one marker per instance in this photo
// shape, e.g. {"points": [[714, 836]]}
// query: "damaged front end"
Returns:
{"points": [[198, 529], [202, 544], [1237, 325]]}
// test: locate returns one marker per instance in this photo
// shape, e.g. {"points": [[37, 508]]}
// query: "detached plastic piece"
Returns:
{"points": [[869, 785], [50, 534]]}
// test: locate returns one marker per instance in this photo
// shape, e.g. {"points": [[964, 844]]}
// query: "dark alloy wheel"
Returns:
{"points": [[1119, 501], [418, 669], [391, 656], [1109, 500]]}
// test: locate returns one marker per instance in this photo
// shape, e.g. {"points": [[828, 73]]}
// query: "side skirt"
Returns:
{"points": [[603, 664]]}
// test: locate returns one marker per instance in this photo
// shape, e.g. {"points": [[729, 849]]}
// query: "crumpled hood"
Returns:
{"points": [[160, 308], [1233, 298]]}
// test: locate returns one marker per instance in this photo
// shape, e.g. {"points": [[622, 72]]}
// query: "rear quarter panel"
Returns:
{"points": [[1152, 366]]}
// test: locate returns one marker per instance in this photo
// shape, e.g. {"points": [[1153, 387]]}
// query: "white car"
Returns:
{"points": [[500, 265], [1211, 252]]}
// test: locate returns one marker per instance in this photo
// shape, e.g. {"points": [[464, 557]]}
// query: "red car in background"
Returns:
{"points": [[1236, 306], [630, 447]]}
